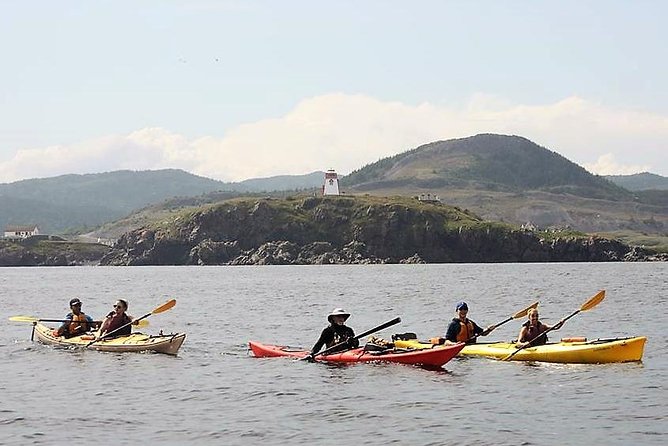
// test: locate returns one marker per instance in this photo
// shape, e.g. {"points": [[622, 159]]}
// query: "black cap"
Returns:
{"points": [[462, 306], [75, 301]]}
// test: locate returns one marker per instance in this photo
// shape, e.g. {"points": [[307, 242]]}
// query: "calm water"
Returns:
{"points": [[214, 393]]}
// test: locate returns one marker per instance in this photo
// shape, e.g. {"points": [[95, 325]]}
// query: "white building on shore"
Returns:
{"points": [[19, 232]]}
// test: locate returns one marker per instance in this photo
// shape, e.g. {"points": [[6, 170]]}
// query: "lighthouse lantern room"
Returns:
{"points": [[331, 186]]}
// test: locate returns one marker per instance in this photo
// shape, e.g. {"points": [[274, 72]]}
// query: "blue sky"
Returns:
{"points": [[241, 89]]}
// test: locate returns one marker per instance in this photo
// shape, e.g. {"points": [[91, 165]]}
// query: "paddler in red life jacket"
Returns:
{"points": [[534, 329], [336, 333], [117, 319], [77, 323], [462, 329]]}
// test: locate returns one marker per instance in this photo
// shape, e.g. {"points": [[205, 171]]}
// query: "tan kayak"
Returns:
{"points": [[135, 342]]}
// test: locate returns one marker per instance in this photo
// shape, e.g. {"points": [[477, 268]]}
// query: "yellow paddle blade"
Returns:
{"points": [[524, 312], [591, 303], [164, 307], [23, 319], [141, 324]]}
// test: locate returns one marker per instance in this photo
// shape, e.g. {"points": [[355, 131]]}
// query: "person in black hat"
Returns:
{"points": [[462, 329], [76, 322], [336, 333]]}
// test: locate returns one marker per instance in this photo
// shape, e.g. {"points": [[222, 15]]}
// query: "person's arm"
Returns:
{"points": [[351, 341], [324, 336], [477, 331], [91, 322], [522, 335], [452, 332], [105, 324], [556, 326], [64, 327]]}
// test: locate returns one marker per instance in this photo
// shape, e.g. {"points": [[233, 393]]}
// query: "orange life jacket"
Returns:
{"points": [[465, 331], [78, 325]]}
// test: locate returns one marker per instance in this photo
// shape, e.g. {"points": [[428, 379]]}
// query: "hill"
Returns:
{"points": [[640, 181], [280, 183], [489, 162], [511, 179], [319, 230], [69, 202], [74, 203]]}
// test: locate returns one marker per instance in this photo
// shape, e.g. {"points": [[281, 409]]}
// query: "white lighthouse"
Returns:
{"points": [[331, 186]]}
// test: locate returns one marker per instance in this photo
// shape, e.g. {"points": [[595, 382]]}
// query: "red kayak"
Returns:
{"points": [[433, 357]]}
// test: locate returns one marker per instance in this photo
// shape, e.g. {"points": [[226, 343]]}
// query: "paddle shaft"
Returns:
{"points": [[514, 316], [529, 344], [591, 303], [118, 329], [366, 333], [164, 307]]}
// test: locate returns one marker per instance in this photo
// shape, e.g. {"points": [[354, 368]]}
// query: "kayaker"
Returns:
{"points": [[117, 319], [533, 329], [463, 329], [77, 323], [336, 332]]}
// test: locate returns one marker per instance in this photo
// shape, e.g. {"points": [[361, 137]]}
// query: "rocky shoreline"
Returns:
{"points": [[316, 231]]}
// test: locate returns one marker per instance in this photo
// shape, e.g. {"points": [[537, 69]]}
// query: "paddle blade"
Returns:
{"points": [[164, 307], [23, 319], [141, 324], [591, 303], [524, 312]]}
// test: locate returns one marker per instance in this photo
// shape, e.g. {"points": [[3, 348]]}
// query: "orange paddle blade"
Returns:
{"points": [[591, 303], [164, 307], [524, 312]]}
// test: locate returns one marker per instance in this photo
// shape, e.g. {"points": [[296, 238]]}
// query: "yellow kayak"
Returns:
{"points": [[597, 351], [135, 342]]}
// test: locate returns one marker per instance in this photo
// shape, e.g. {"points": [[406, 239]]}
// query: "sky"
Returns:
{"points": [[233, 89]]}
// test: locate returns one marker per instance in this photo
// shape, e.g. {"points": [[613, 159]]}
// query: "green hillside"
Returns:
{"points": [[67, 202], [640, 181], [489, 162]]}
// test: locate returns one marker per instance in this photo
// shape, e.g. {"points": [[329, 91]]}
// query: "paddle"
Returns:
{"points": [[162, 308], [366, 333], [517, 315], [591, 303], [32, 320]]}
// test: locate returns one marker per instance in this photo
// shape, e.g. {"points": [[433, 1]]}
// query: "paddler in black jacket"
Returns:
{"points": [[336, 333]]}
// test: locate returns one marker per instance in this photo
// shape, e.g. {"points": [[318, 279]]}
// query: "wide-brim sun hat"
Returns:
{"points": [[338, 312]]}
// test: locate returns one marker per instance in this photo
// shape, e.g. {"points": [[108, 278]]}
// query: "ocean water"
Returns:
{"points": [[215, 393]]}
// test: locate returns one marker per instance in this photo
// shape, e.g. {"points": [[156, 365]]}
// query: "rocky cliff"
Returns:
{"points": [[328, 230], [50, 251]]}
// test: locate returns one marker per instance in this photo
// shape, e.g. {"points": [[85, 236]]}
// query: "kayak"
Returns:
{"points": [[581, 351], [135, 342], [436, 357]]}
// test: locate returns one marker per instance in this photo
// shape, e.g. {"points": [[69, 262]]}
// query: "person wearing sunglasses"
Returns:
{"points": [[533, 330], [76, 322], [117, 319], [337, 332], [463, 329]]}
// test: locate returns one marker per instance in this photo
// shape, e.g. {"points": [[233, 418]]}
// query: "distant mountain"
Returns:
{"points": [[67, 202], [486, 161], [640, 181], [513, 180], [77, 202], [281, 183]]}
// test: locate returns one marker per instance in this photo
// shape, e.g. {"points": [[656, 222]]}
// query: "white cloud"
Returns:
{"points": [[608, 165], [345, 132]]}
